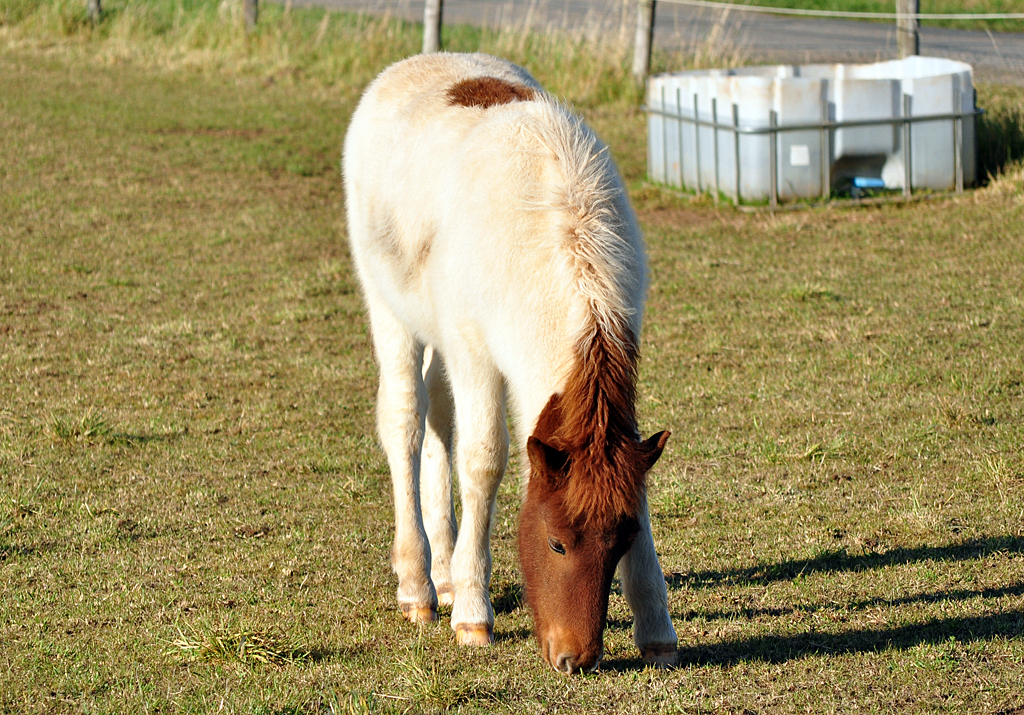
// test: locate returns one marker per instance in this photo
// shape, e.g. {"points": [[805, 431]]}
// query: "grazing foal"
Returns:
{"points": [[500, 259]]}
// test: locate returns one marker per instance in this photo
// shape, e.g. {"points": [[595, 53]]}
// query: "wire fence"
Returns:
{"points": [[849, 14]]}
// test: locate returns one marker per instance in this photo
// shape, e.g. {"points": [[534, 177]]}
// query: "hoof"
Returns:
{"points": [[418, 614], [474, 634], [661, 655], [445, 596]]}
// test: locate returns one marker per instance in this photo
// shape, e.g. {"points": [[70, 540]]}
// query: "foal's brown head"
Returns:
{"points": [[569, 558], [587, 470]]}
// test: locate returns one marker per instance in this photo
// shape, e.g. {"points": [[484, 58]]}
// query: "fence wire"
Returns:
{"points": [[848, 13]]}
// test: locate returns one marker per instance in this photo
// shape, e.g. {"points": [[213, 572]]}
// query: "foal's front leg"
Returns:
{"points": [[401, 412], [643, 585], [481, 454]]}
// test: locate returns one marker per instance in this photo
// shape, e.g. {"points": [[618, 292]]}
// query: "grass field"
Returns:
{"points": [[194, 514]]}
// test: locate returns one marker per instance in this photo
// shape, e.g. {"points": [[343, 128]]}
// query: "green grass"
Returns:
{"points": [[194, 514], [933, 7]]}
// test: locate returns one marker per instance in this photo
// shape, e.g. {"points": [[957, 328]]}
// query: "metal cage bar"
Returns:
{"points": [[958, 144], [825, 143], [736, 148], [773, 159], [908, 170], [714, 118], [679, 134], [696, 141]]}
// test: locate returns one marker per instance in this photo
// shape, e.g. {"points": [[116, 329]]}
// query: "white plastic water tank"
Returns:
{"points": [[834, 124]]}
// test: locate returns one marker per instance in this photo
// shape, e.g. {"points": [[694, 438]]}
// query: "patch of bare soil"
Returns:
{"points": [[675, 217]]}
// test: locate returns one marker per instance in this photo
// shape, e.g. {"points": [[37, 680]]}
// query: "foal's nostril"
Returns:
{"points": [[566, 663]]}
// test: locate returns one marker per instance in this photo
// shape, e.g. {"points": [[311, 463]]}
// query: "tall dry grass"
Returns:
{"points": [[1001, 136], [587, 62]]}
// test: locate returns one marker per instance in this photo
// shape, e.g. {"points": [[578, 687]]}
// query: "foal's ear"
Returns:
{"points": [[546, 460], [652, 448]]}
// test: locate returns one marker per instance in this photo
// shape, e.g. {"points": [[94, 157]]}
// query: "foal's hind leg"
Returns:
{"points": [[436, 479], [401, 412], [643, 585]]}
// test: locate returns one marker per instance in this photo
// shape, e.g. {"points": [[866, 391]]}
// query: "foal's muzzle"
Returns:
{"points": [[565, 660]]}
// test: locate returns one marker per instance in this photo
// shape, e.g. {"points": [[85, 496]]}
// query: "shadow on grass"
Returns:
{"points": [[10, 551], [513, 636], [508, 598], [938, 597], [778, 649], [842, 560], [342, 653], [123, 439], [781, 649]]}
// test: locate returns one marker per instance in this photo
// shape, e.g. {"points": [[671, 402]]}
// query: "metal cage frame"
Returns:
{"points": [[825, 128]]}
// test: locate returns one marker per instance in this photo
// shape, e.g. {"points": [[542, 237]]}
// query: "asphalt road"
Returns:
{"points": [[996, 57]]}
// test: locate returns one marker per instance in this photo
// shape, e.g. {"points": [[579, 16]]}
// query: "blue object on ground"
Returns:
{"points": [[868, 182]]}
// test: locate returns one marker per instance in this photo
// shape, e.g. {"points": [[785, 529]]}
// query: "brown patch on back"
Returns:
{"points": [[485, 92]]}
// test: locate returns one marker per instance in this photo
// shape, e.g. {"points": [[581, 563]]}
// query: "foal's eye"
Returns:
{"points": [[556, 546]]}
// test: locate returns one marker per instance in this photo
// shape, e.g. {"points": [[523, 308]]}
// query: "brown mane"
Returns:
{"points": [[593, 420]]}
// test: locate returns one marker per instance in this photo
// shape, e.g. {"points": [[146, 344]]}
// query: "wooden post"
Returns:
{"points": [[644, 39], [432, 26], [250, 13], [93, 10], [907, 41]]}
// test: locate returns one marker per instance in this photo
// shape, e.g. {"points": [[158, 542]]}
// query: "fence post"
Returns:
{"points": [[93, 10], [250, 13], [907, 41], [432, 26], [644, 39]]}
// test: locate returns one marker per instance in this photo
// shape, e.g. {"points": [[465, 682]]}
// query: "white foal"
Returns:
{"points": [[499, 257]]}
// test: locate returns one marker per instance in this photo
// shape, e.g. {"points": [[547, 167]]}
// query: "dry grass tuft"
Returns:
{"points": [[235, 645], [435, 684], [91, 427]]}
